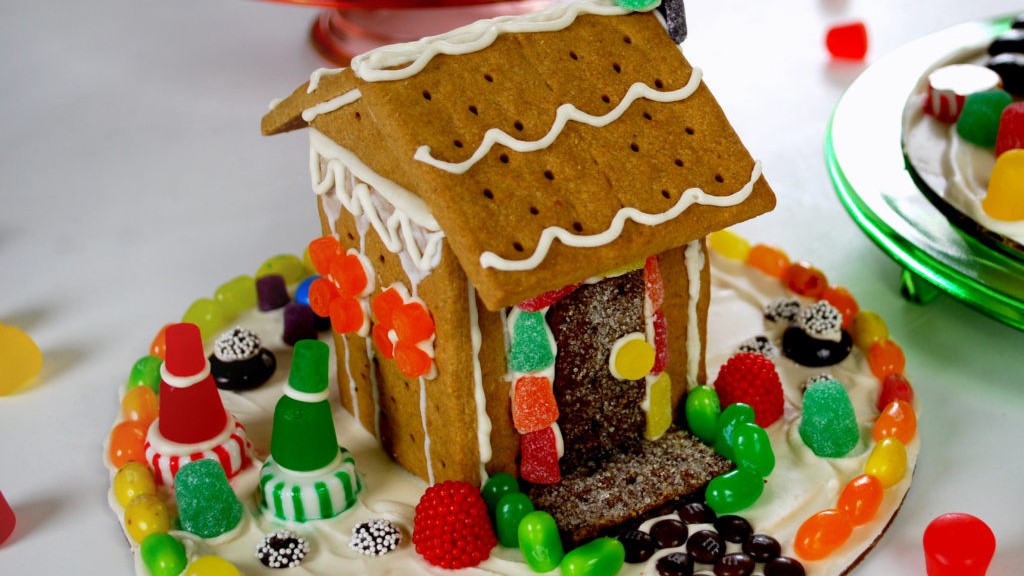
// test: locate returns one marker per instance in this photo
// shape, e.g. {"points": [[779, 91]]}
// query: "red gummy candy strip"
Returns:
{"points": [[549, 298]]}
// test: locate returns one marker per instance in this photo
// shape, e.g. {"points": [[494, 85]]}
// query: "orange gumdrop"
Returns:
{"points": [[861, 498], [805, 280], [533, 404], [158, 347], [321, 294], [768, 259], [385, 304], [823, 533], [322, 251], [412, 323], [140, 404], [127, 443], [412, 361], [897, 420], [843, 301], [885, 357], [347, 315], [383, 340], [348, 275]]}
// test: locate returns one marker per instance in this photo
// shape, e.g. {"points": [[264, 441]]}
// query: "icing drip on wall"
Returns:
{"points": [[695, 262], [426, 433], [351, 381], [483, 421]]}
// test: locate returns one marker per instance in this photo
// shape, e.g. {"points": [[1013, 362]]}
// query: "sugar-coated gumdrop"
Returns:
{"points": [[163, 554], [805, 280], [1005, 197], [654, 286], [887, 461], [861, 498], [20, 359], [288, 266], [208, 315], [895, 387], [508, 513], [131, 480], [539, 541], [602, 556], [496, 487], [211, 566], [660, 342], [236, 295], [533, 404], [822, 533], [1011, 128], [158, 347], [659, 407], [729, 244], [542, 301], [841, 299], [7, 519], [207, 505], [702, 412], [868, 328], [958, 544], [127, 443], [848, 41], [979, 121], [885, 357], [140, 404], [539, 462], [531, 344], [731, 417], [146, 514], [734, 491], [146, 372], [752, 449], [897, 420], [271, 292], [768, 259], [632, 357], [828, 425]]}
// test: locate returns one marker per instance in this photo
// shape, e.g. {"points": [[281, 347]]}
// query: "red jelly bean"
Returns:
{"points": [[322, 252], [885, 357], [767, 259], [848, 41], [895, 387], [823, 533], [861, 498], [539, 463], [957, 544], [7, 519], [843, 301], [128, 443], [897, 420], [805, 280], [533, 404]]}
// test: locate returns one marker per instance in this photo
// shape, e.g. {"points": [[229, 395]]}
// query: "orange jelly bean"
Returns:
{"points": [[158, 347], [843, 301], [885, 357], [861, 498], [127, 443], [140, 404], [768, 259], [898, 421], [805, 280], [822, 534]]}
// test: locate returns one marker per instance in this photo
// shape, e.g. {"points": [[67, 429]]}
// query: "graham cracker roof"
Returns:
{"points": [[588, 183]]}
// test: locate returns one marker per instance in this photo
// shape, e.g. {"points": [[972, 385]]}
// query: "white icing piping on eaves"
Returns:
{"points": [[309, 114], [563, 115], [319, 74], [688, 198], [400, 61]]}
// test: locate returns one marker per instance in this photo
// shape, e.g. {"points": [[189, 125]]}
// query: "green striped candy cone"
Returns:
{"points": [[304, 438]]}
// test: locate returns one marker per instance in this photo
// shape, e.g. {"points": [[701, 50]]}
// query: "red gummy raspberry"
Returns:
{"points": [[751, 378], [451, 528]]}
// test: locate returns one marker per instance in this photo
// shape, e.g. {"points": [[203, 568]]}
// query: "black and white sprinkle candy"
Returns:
{"points": [[375, 537], [759, 345], [237, 344], [821, 320], [282, 549], [782, 310]]}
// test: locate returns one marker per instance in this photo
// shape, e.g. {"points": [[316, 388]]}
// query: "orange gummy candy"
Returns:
{"points": [[821, 534], [347, 315], [805, 280], [533, 404], [412, 361], [768, 259], [322, 251], [885, 357], [861, 498], [412, 323], [842, 300], [385, 304], [348, 274], [321, 294], [128, 443]]}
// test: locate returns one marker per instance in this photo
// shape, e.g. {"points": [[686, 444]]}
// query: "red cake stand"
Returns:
{"points": [[346, 28]]}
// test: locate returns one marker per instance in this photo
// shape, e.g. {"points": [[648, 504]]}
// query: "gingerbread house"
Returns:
{"points": [[528, 199]]}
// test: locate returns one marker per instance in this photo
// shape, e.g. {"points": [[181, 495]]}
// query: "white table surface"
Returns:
{"points": [[134, 180]]}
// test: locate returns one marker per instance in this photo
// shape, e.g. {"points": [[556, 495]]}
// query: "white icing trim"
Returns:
{"points": [[351, 379], [319, 74], [171, 448], [426, 433], [307, 397], [175, 381], [695, 261], [688, 198], [309, 114], [563, 115], [483, 421]]}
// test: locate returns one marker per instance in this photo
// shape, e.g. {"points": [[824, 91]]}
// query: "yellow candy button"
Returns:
{"points": [[632, 357], [20, 359], [1005, 198], [659, 407]]}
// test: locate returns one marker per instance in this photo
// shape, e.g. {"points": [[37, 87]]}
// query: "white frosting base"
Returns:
{"points": [[955, 169], [800, 485]]}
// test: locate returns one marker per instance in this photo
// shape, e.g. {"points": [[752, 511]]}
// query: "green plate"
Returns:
{"points": [[865, 161]]}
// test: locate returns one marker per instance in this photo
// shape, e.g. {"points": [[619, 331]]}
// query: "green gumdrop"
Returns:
{"points": [[146, 372], [702, 412], [753, 449], [539, 541], [531, 347], [600, 557], [288, 265], [508, 513], [979, 120], [163, 554], [829, 424], [637, 5], [236, 295], [496, 487], [208, 315], [732, 416], [207, 506], [734, 491]]}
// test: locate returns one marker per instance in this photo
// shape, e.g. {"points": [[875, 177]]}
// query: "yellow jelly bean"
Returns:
{"points": [[146, 514], [208, 314], [211, 566], [868, 328], [659, 406], [632, 357], [887, 461], [729, 244], [1005, 197], [133, 479], [20, 359]]}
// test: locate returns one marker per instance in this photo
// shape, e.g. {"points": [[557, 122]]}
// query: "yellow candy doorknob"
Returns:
{"points": [[1005, 198], [20, 359]]}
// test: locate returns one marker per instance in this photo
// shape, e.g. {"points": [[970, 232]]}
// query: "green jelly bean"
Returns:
{"points": [[237, 295], [508, 514], [732, 416], [288, 265], [531, 349], [208, 315], [600, 557], [497, 486], [146, 372], [702, 412], [163, 554], [539, 541], [734, 491], [753, 449]]}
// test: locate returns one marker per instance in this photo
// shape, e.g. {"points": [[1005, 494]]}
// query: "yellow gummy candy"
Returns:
{"points": [[211, 566], [633, 359], [729, 244], [659, 408], [20, 359], [1005, 198]]}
